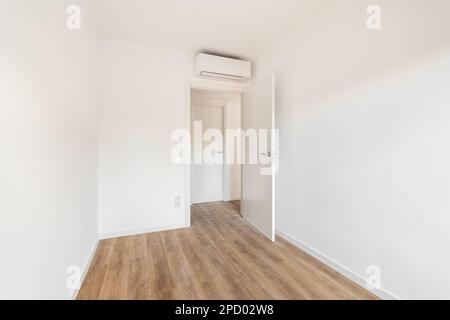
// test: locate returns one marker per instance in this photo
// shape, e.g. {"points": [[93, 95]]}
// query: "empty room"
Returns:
{"points": [[240, 150]]}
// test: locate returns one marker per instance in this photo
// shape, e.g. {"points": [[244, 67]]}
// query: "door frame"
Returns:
{"points": [[214, 85]]}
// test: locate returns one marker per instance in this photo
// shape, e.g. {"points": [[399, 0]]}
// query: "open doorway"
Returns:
{"points": [[258, 160], [213, 178]]}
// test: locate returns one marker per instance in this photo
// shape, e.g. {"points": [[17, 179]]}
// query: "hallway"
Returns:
{"points": [[220, 257]]}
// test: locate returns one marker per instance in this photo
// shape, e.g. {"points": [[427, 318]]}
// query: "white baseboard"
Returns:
{"points": [[73, 294], [235, 198], [133, 232], [208, 201], [355, 277]]}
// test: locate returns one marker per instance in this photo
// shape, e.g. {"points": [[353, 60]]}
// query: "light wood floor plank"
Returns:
{"points": [[219, 257]]}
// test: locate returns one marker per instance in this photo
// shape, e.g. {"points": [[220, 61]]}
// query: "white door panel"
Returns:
{"points": [[207, 179], [258, 196]]}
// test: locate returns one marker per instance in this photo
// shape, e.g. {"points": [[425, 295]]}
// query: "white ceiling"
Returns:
{"points": [[240, 28]]}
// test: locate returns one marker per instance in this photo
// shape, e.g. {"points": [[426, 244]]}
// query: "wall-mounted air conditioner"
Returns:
{"points": [[211, 66]]}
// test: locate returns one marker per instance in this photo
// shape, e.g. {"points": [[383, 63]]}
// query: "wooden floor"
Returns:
{"points": [[220, 257]]}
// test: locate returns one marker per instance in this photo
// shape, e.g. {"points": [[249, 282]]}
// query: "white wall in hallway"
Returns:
{"points": [[364, 124], [142, 100], [48, 147]]}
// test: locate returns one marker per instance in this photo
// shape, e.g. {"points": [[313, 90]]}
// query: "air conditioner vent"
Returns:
{"points": [[217, 67]]}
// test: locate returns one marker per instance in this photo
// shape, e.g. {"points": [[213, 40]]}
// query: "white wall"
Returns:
{"points": [[364, 124], [48, 144], [142, 100]]}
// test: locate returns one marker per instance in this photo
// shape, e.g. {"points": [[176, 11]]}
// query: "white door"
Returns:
{"points": [[207, 178], [258, 180]]}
